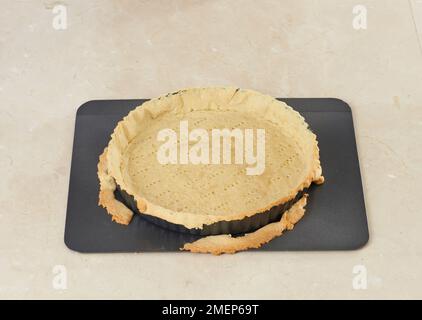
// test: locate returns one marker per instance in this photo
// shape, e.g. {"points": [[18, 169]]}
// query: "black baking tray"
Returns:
{"points": [[335, 216]]}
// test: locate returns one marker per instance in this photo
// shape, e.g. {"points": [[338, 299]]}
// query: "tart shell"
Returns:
{"points": [[111, 177]]}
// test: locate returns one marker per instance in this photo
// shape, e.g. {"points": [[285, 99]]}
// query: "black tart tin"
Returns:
{"points": [[234, 227]]}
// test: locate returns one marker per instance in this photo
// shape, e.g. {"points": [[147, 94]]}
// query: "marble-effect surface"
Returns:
{"points": [[127, 49]]}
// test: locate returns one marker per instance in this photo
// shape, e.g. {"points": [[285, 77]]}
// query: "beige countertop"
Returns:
{"points": [[128, 49]]}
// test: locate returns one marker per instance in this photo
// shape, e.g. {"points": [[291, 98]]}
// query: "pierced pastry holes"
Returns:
{"points": [[199, 147], [224, 188]]}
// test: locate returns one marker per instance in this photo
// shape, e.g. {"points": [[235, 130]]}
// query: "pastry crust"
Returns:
{"points": [[118, 211], [182, 103], [225, 243]]}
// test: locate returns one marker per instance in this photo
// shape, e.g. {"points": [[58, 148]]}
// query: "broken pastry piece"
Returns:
{"points": [[118, 211], [226, 243]]}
